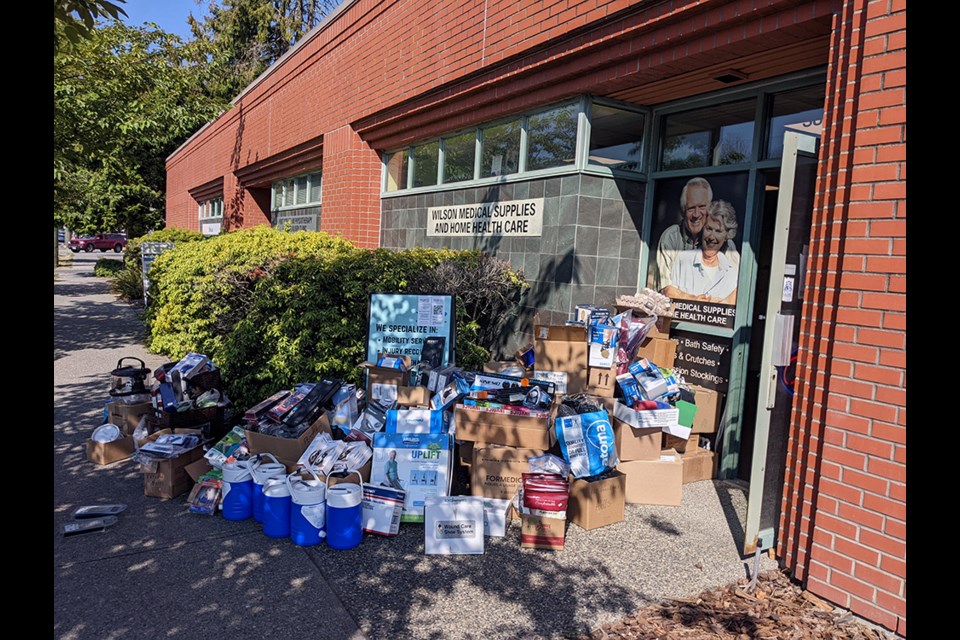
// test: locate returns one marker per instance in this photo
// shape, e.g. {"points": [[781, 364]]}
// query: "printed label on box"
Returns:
{"points": [[558, 378], [385, 394], [446, 529]]}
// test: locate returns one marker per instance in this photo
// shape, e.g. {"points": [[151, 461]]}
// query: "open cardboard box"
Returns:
{"points": [[383, 383], [127, 416], [657, 481], [497, 471], [102, 453], [169, 478], [287, 450], [526, 432], [597, 503], [633, 443], [560, 356]]}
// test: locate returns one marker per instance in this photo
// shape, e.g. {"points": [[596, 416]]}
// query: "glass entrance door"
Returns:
{"points": [[778, 322]]}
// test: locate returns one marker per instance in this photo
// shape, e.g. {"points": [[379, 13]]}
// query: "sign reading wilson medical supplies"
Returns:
{"points": [[507, 218]]}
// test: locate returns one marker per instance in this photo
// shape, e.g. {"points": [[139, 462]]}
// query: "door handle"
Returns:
{"points": [[772, 388]]}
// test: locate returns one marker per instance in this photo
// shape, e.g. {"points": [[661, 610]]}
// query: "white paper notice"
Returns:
{"points": [[429, 311]]}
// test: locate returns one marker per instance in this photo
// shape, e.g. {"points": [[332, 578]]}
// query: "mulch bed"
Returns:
{"points": [[777, 608]]}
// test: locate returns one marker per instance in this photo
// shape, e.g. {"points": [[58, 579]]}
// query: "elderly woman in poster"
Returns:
{"points": [[707, 274]]}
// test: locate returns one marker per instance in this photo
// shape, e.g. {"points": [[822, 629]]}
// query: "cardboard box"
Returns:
{"points": [[657, 481], [453, 525], [560, 356], [211, 421], [681, 445], [383, 383], [500, 366], [498, 428], [169, 478], [287, 449], [198, 468], [109, 452], [602, 382], [636, 444], [413, 397], [539, 532], [708, 410], [465, 452], [498, 471], [660, 351], [127, 416], [597, 503], [495, 517], [699, 465]]}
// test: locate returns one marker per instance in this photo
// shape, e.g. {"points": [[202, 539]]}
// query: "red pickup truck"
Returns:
{"points": [[102, 241]]}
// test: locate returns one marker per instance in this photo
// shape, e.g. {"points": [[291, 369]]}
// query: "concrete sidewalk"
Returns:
{"points": [[162, 571]]}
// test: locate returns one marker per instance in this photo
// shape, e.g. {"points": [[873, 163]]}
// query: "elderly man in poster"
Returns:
{"points": [[686, 234], [707, 274]]}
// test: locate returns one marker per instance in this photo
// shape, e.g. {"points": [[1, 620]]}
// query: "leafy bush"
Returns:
{"points": [[274, 308], [128, 283], [107, 267], [201, 289]]}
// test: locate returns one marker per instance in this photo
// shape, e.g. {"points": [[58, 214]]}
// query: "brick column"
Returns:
{"points": [[843, 520], [351, 188]]}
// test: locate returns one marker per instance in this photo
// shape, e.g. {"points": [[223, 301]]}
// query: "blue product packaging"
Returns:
{"points": [[450, 394], [417, 421], [586, 441], [651, 381], [629, 388]]}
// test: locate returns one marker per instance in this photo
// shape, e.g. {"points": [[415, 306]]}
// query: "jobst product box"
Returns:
{"points": [[453, 525], [419, 463]]}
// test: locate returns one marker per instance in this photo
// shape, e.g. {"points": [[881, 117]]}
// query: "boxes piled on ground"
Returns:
{"points": [[168, 478]]}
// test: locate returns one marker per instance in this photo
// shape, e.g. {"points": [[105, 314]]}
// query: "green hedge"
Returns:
{"points": [[107, 267], [131, 254], [273, 308]]}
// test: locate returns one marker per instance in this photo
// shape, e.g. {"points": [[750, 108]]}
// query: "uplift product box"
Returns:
{"points": [[477, 425], [498, 471], [127, 416], [699, 465], [383, 383], [420, 463], [597, 503], [635, 443], [542, 532], [102, 453], [169, 478], [560, 356], [660, 351], [453, 525], [287, 450], [708, 410], [657, 481]]}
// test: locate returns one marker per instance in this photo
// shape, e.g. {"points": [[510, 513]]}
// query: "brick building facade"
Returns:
{"points": [[382, 81]]}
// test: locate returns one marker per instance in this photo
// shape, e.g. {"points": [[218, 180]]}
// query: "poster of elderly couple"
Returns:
{"points": [[695, 242]]}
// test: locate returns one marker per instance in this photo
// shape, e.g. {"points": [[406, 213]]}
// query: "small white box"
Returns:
{"points": [[495, 517], [453, 525], [663, 419]]}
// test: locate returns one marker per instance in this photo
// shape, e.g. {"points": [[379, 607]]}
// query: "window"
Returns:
{"points": [[552, 138], [501, 149], [210, 209], [798, 110], [299, 192], [616, 138], [713, 136], [425, 164], [396, 170], [459, 153]]}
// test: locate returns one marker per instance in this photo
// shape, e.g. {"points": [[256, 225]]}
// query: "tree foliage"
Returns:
{"points": [[75, 19], [124, 99], [243, 37]]}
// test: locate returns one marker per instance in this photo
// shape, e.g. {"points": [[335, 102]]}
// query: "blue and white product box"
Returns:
{"points": [[382, 508], [190, 364], [453, 525], [449, 395], [417, 421], [439, 378], [419, 463], [629, 388], [603, 345], [390, 362], [587, 443], [651, 380], [495, 517]]}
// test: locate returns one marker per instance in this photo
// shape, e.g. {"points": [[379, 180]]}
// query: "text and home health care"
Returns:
{"points": [[508, 218]]}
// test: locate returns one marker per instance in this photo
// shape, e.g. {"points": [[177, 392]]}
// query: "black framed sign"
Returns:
{"points": [[399, 323]]}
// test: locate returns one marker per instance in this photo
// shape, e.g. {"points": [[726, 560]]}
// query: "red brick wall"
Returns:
{"points": [[351, 188], [844, 505], [467, 60]]}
